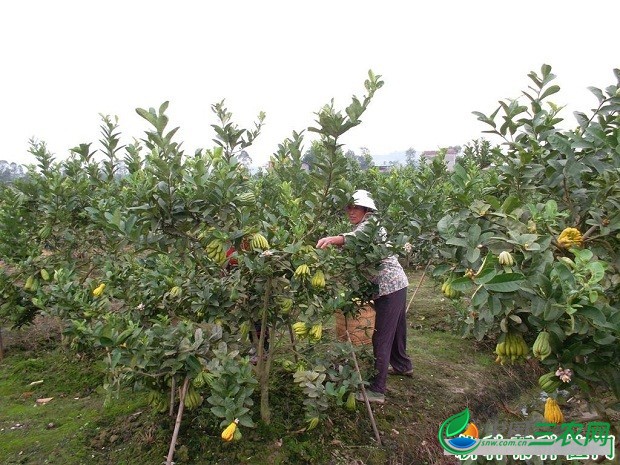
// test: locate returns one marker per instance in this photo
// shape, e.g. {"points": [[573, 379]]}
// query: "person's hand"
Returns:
{"points": [[329, 240]]}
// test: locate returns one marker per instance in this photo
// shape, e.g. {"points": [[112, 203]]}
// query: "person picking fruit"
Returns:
{"points": [[389, 340]]}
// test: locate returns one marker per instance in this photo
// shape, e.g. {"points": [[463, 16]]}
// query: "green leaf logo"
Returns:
{"points": [[456, 423], [451, 428]]}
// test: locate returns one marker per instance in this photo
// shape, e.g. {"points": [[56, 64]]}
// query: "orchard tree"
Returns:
{"points": [[534, 252]]}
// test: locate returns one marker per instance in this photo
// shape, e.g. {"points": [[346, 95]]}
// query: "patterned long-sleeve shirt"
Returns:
{"points": [[391, 276]]}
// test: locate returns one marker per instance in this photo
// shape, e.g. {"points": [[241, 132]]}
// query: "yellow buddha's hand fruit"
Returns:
{"points": [[300, 328], [570, 237], [215, 251], [318, 280], [302, 271], [229, 433], [259, 242], [316, 331], [553, 414]]}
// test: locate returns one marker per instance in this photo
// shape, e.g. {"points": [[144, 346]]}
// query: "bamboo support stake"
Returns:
{"points": [[173, 390], [418, 287], [368, 407], [177, 424]]}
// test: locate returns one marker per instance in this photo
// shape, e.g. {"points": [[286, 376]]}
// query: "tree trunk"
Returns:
{"points": [[264, 364]]}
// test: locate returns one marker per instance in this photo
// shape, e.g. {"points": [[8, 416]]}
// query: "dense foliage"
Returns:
{"points": [[172, 266], [175, 269], [549, 204]]}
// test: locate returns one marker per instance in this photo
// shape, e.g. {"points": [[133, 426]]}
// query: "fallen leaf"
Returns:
{"points": [[44, 400]]}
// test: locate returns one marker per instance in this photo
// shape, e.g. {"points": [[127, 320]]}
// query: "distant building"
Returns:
{"points": [[450, 155]]}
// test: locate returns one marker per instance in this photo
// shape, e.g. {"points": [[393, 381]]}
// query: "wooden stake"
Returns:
{"points": [[416, 289], [368, 408], [177, 424], [173, 391]]}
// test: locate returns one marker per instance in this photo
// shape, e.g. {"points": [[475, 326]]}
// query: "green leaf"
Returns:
{"points": [[458, 241], [598, 272], [582, 119], [598, 93], [594, 314], [560, 143], [441, 269], [150, 117], [564, 273], [473, 254], [506, 282], [105, 341], [603, 338], [246, 421], [193, 364], [218, 410], [116, 356], [485, 276], [480, 297], [474, 234], [510, 204], [462, 284], [557, 330], [553, 312], [611, 376], [550, 91], [592, 296]]}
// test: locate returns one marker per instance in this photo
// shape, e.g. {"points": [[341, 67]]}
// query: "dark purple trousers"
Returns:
{"points": [[389, 340]]}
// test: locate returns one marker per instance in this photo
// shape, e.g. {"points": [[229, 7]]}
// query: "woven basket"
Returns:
{"points": [[360, 328]]}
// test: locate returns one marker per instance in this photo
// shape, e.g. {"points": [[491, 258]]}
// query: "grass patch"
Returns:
{"points": [[58, 430]]}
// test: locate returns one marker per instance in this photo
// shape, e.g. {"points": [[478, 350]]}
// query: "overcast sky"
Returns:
{"points": [[65, 62]]}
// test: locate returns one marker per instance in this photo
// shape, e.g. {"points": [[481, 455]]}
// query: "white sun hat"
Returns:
{"points": [[362, 198]]}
